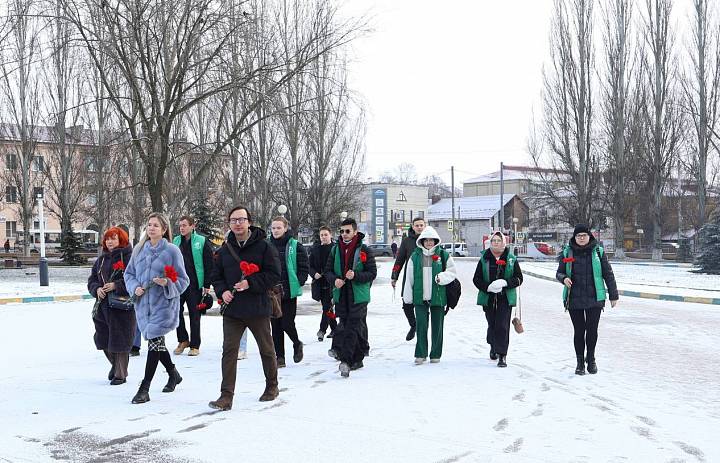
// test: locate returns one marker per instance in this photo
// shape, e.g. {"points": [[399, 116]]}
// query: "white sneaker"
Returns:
{"points": [[419, 360], [434, 360], [242, 355]]}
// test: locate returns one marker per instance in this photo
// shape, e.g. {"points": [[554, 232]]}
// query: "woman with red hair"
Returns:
{"points": [[114, 327]]}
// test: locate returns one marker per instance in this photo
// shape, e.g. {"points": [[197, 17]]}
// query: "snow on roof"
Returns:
{"points": [[468, 207]]}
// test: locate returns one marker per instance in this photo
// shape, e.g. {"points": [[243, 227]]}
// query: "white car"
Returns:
{"points": [[460, 249]]}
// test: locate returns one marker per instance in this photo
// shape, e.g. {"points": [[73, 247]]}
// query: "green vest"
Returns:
{"points": [[438, 295], [597, 272], [291, 258], [197, 244], [361, 291], [483, 298]]}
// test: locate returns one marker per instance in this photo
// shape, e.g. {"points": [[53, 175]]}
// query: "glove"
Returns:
{"points": [[497, 286]]}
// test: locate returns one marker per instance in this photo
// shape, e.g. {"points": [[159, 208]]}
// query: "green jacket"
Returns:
{"points": [[483, 298], [197, 244]]}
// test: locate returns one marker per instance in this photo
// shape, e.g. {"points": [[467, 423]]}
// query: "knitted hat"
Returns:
{"points": [[581, 228]]}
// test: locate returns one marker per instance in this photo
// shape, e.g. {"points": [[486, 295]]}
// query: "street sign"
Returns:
{"points": [[520, 237], [450, 225]]}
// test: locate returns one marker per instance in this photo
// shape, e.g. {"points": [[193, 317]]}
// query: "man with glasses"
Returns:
{"points": [[351, 269], [407, 247]]}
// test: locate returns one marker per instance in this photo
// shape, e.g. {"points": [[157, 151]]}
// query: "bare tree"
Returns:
{"points": [[661, 110], [572, 183], [702, 95]]}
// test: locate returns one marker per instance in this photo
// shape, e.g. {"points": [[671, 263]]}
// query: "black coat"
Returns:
{"points": [[302, 263], [115, 329], [254, 301], [583, 294], [346, 306], [407, 247], [515, 281], [319, 255]]}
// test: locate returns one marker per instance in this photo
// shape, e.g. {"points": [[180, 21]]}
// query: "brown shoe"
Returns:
{"points": [[270, 394], [193, 352], [224, 403], [181, 347]]}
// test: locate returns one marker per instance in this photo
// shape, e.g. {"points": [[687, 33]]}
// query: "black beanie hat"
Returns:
{"points": [[581, 228]]}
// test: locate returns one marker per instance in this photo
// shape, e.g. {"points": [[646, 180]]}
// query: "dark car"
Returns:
{"points": [[381, 249]]}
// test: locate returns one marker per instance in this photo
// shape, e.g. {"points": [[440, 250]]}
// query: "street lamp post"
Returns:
{"points": [[44, 274], [282, 209], [515, 222]]}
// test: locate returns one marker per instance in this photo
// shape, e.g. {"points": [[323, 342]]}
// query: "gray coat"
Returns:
{"points": [[157, 310]]}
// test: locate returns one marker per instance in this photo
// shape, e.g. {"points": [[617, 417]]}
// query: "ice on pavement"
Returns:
{"points": [[655, 398]]}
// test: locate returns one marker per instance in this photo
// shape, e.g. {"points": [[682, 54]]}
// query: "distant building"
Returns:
{"points": [[390, 209]]}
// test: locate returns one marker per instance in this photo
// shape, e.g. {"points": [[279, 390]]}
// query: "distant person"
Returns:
{"points": [[407, 247], [394, 248], [7, 246], [321, 288], [584, 270]]}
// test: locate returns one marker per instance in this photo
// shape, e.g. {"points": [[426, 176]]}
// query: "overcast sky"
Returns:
{"points": [[450, 83]]}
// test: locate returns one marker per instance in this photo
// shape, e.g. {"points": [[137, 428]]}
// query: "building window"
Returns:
{"points": [[38, 164], [420, 214], [38, 191], [11, 161], [10, 194], [11, 229]]}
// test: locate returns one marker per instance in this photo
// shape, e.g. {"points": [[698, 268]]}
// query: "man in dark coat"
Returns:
{"points": [[406, 249], [351, 269], [246, 301], [321, 288], [584, 270], [198, 259]]}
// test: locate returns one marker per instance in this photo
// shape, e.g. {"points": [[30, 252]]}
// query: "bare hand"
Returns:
{"points": [[567, 282], [339, 283], [107, 287], [139, 291], [613, 303], [350, 275], [317, 276], [227, 297], [393, 283], [101, 293], [205, 291], [241, 285], [160, 281]]}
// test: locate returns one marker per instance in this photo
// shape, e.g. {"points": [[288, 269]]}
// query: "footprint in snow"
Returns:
{"points": [[501, 425]]}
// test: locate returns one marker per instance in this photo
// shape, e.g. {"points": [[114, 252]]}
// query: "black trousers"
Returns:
{"points": [[585, 323], [352, 344], [409, 310], [326, 301], [191, 297], [285, 324], [498, 319]]}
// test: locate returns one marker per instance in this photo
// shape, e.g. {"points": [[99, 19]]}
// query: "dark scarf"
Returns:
{"points": [[347, 251]]}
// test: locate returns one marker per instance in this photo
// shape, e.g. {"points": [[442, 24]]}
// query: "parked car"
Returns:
{"points": [[381, 249], [460, 249]]}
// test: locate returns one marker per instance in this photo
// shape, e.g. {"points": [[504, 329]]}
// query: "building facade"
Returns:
{"points": [[390, 209]]}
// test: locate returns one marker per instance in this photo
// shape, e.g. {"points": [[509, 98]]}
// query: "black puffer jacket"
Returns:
{"points": [[102, 269], [301, 260], [318, 258], [583, 295], [407, 247], [254, 301]]}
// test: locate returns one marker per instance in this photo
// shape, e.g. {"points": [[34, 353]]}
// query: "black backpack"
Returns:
{"points": [[452, 289]]}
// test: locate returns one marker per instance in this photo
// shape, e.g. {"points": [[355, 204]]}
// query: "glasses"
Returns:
{"points": [[238, 220], [345, 231], [582, 235]]}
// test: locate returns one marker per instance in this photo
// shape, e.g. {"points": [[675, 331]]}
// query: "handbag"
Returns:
{"points": [[517, 321], [276, 294], [119, 302]]}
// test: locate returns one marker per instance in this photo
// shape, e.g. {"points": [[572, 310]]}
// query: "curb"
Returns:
{"points": [[27, 300], [638, 294]]}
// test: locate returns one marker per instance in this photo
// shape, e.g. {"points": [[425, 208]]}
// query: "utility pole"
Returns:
{"points": [[452, 206], [502, 204]]}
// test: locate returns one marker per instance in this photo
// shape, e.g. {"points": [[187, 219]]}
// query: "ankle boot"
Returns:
{"points": [[501, 361], [270, 394], [298, 352], [142, 395], [591, 366], [224, 403], [173, 380], [580, 368]]}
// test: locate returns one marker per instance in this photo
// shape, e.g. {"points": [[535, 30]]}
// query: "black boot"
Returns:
{"points": [[173, 380], [298, 352], [493, 354], [501, 361], [580, 368], [591, 366], [411, 334], [142, 395], [111, 375], [281, 362]]}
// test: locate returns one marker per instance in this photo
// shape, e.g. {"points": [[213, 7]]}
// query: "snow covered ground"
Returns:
{"points": [[655, 398], [680, 281], [25, 282]]}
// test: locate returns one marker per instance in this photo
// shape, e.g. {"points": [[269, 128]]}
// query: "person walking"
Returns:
{"points": [[7, 246], [394, 248], [246, 303], [584, 270], [321, 288], [407, 247], [156, 276], [294, 272], [428, 270], [198, 258], [114, 327], [351, 268], [497, 277]]}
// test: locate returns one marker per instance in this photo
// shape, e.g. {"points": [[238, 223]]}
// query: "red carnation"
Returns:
{"points": [[435, 257], [171, 273], [396, 268], [244, 267], [253, 268], [500, 262], [330, 314], [202, 306], [363, 257], [119, 265], [568, 260]]}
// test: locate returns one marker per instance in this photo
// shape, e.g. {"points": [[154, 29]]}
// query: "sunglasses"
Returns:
{"points": [[238, 220], [345, 231]]}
